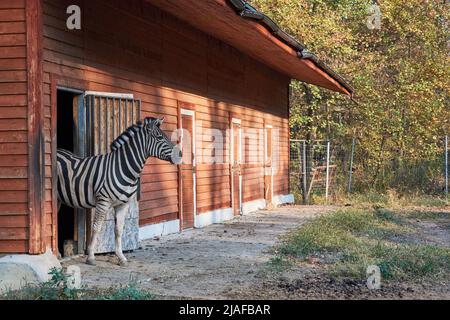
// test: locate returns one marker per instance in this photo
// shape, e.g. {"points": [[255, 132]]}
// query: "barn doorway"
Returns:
{"points": [[68, 103], [87, 123]]}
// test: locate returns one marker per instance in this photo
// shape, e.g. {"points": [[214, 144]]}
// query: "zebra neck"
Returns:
{"points": [[131, 161]]}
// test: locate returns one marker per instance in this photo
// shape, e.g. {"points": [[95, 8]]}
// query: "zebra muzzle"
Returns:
{"points": [[176, 155]]}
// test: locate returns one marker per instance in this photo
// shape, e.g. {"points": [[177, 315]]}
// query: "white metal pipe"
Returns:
{"points": [[446, 165], [305, 185], [328, 171], [351, 167]]}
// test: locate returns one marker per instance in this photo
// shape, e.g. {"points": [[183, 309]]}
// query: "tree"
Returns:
{"points": [[400, 73]]}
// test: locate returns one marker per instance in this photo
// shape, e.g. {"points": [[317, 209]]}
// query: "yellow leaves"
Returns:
{"points": [[401, 73]]}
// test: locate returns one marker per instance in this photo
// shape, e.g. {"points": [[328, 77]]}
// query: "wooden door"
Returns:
{"points": [[187, 170], [107, 115], [268, 166], [236, 162]]}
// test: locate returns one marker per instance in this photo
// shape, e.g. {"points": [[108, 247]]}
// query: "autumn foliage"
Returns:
{"points": [[400, 73]]}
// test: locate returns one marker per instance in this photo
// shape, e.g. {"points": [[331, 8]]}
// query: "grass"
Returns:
{"points": [[351, 239], [57, 289], [128, 292], [428, 215], [391, 199], [279, 263]]}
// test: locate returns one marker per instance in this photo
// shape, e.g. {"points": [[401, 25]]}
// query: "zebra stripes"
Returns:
{"points": [[111, 180]]}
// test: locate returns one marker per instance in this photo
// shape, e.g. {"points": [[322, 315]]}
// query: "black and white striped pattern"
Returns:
{"points": [[111, 180]]}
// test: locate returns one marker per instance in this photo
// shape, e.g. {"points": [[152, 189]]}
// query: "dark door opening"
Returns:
{"points": [[65, 140]]}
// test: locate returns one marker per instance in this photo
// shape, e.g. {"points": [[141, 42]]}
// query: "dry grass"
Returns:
{"points": [[374, 230]]}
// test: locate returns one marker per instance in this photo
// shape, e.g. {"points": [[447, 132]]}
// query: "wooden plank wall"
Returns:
{"points": [[14, 231], [132, 47]]}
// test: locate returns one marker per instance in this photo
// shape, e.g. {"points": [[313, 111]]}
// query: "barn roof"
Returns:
{"points": [[250, 31]]}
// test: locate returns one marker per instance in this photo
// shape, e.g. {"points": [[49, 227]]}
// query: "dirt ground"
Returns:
{"points": [[204, 263], [229, 261]]}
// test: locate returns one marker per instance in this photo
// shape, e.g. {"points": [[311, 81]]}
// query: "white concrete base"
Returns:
{"points": [[19, 270], [210, 217], [215, 216], [254, 205], [159, 229], [283, 199]]}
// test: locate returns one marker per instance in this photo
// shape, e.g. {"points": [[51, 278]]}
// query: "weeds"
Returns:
{"points": [[357, 238], [428, 215], [54, 289], [392, 199], [279, 263], [128, 292], [374, 199], [57, 289]]}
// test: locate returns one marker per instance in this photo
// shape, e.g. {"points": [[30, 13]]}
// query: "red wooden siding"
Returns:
{"points": [[36, 171], [159, 59], [14, 220], [163, 61]]}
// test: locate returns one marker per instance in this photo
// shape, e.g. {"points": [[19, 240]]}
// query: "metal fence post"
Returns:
{"points": [[328, 171], [350, 177], [305, 191], [446, 166]]}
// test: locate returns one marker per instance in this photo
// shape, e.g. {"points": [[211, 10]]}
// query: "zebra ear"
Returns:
{"points": [[159, 121], [147, 121]]}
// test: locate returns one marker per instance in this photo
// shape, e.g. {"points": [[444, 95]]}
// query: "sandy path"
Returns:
{"points": [[201, 263]]}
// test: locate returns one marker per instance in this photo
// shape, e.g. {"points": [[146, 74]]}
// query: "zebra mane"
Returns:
{"points": [[125, 136]]}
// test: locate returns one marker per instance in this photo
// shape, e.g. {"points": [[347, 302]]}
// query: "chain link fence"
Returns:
{"points": [[323, 169], [312, 169]]}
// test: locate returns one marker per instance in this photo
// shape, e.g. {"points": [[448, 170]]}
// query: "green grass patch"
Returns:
{"points": [[279, 263], [57, 288], [375, 199], [357, 238], [428, 215], [390, 199], [128, 292]]}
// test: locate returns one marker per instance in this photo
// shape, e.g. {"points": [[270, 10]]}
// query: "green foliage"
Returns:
{"points": [[128, 292], [54, 289], [401, 78], [57, 289]]}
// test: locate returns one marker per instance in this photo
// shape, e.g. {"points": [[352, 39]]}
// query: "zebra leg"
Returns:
{"points": [[121, 213], [101, 209]]}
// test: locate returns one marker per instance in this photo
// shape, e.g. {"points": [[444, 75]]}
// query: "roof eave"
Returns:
{"points": [[242, 8]]}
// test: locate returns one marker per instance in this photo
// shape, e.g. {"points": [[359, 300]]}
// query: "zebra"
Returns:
{"points": [[110, 180]]}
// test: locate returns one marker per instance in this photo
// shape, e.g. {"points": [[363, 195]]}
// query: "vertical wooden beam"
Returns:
{"points": [[34, 28], [80, 149], [180, 180], [54, 134], [289, 137], [230, 164]]}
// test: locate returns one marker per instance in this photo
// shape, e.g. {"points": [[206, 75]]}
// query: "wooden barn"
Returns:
{"points": [[217, 69]]}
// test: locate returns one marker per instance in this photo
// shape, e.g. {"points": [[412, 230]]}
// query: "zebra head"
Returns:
{"points": [[158, 144]]}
